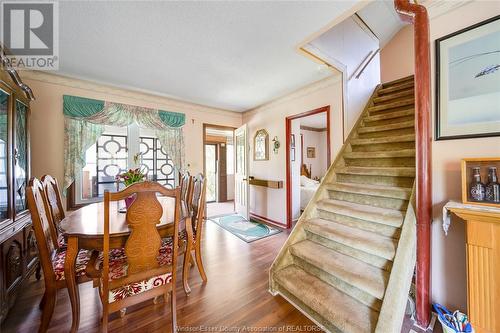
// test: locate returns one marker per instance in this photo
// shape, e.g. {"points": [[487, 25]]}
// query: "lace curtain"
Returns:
{"points": [[84, 121]]}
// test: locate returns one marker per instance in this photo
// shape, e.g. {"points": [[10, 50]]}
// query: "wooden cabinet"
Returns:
{"points": [[18, 250], [483, 267]]}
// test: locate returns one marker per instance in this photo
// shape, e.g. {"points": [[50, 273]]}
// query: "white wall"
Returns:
{"points": [[318, 141], [448, 252], [271, 203], [347, 44]]}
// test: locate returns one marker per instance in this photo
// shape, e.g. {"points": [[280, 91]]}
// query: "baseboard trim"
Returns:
{"points": [[267, 220]]}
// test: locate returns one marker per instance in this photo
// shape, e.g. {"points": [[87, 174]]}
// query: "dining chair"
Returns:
{"points": [[146, 268], [55, 206], [198, 204], [185, 185], [51, 257]]}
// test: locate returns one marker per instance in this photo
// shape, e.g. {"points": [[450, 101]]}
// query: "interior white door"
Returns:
{"points": [[241, 190]]}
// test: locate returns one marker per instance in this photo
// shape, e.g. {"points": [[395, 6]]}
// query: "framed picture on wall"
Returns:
{"points": [[311, 152], [468, 82]]}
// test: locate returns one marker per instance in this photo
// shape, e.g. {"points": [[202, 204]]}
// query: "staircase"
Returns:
{"points": [[348, 263]]}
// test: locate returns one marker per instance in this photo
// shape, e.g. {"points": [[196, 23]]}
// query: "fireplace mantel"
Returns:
{"points": [[483, 266]]}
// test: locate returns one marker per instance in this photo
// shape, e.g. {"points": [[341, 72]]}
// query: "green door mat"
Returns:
{"points": [[248, 231]]}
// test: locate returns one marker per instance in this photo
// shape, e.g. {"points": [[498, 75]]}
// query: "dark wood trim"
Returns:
{"points": [[437, 44], [266, 220], [18, 251], [27, 93], [417, 15], [312, 129], [288, 129]]}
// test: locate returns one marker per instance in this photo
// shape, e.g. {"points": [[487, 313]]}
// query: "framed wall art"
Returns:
{"points": [[468, 82], [311, 152], [261, 145]]}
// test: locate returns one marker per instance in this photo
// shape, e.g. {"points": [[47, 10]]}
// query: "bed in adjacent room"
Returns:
{"points": [[307, 189]]}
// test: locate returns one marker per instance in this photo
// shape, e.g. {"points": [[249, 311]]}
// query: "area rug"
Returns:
{"points": [[248, 231]]}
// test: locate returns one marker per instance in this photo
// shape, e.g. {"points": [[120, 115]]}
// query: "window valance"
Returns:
{"points": [[85, 119], [80, 107]]}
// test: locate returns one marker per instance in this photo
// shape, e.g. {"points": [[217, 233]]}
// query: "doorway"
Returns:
{"points": [[307, 158], [218, 166]]}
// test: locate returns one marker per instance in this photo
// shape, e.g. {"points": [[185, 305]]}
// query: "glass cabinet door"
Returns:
{"points": [[20, 157], [4, 135]]}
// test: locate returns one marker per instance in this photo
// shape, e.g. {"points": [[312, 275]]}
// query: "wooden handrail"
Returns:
{"points": [[359, 66], [367, 63], [417, 15]]}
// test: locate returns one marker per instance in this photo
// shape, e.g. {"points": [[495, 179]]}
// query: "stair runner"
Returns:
{"points": [[337, 263]]}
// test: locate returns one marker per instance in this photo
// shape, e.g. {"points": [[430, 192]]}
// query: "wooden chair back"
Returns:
{"points": [[198, 202], [185, 185], [43, 227], [144, 242], [54, 201]]}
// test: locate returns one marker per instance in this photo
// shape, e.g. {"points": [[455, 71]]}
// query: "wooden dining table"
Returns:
{"points": [[84, 229]]}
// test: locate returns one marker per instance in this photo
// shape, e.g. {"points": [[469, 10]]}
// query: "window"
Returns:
{"points": [[117, 150]]}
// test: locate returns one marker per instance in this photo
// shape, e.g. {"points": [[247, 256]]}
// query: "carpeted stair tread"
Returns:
{"points": [[391, 105], [395, 95], [381, 154], [374, 190], [378, 171], [409, 78], [366, 241], [390, 139], [389, 115], [339, 309], [402, 86], [391, 217], [389, 127], [354, 272], [338, 260]]}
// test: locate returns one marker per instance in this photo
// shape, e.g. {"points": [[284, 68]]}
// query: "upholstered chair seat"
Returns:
{"points": [[118, 267], [81, 263]]}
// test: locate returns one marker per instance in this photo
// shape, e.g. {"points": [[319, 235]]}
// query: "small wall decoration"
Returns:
{"points": [[261, 145], [311, 152], [468, 82], [276, 144]]}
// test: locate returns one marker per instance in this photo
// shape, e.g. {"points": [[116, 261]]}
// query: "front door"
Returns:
{"points": [[241, 191]]}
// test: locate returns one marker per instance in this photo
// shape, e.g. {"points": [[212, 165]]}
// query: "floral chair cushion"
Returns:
{"points": [[118, 267], [135, 288], [81, 263]]}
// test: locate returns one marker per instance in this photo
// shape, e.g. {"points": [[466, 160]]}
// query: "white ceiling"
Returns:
{"points": [[231, 55], [317, 121], [382, 19]]}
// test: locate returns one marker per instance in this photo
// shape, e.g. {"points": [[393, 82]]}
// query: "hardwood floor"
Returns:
{"points": [[235, 296]]}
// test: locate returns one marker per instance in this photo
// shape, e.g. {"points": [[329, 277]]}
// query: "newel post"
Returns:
{"points": [[417, 15]]}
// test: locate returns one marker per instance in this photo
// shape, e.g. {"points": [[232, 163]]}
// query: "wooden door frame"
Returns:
{"points": [[288, 132], [204, 131]]}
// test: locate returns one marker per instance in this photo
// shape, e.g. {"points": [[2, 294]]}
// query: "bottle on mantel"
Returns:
{"points": [[476, 189], [492, 190]]}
